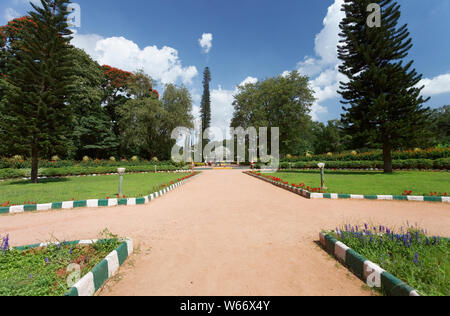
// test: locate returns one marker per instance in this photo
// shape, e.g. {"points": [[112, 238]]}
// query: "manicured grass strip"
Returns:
{"points": [[310, 195], [93, 203], [20, 192], [373, 183]]}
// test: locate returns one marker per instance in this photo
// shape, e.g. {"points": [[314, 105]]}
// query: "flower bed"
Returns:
{"points": [[51, 269], [377, 155], [410, 255]]}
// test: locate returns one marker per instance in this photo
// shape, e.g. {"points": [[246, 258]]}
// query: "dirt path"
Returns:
{"points": [[226, 233]]}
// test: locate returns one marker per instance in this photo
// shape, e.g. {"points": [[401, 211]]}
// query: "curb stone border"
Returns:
{"points": [[369, 272], [335, 196], [91, 203], [105, 269]]}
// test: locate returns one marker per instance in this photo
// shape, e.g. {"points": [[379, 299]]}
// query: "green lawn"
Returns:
{"points": [[83, 188], [373, 183]]}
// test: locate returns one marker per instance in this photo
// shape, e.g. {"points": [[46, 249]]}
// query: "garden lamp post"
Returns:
{"points": [[322, 175], [121, 172]]}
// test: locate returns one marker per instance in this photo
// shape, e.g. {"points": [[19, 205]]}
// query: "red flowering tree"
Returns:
{"points": [[11, 35]]}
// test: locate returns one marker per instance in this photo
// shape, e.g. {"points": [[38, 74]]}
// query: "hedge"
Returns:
{"points": [[377, 155], [76, 171], [442, 164], [18, 163]]}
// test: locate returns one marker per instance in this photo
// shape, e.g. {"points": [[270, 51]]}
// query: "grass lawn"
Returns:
{"points": [[421, 261], [43, 271], [373, 183], [83, 188]]}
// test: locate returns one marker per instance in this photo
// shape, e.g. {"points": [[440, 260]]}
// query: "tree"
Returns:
{"points": [[386, 108], [327, 138], [440, 127], [93, 133], [284, 102], [114, 86], [177, 105], [139, 118], [39, 81], [205, 107]]}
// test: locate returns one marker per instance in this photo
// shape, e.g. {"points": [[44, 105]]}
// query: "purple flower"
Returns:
{"points": [[46, 260], [416, 258], [5, 243]]}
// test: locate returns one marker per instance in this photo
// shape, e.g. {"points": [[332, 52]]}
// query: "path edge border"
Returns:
{"points": [[370, 273], [334, 196]]}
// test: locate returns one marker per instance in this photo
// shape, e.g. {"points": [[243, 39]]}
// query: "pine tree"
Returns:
{"points": [[40, 79], [206, 104], [386, 106]]}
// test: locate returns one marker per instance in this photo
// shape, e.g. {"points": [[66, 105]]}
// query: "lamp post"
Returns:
{"points": [[322, 175], [121, 172]]}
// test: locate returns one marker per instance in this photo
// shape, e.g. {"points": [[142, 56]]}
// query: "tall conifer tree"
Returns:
{"points": [[39, 83], [206, 103], [386, 106]]}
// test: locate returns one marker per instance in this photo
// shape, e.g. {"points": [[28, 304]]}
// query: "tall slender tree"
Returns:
{"points": [[205, 109], [386, 106], [39, 82]]}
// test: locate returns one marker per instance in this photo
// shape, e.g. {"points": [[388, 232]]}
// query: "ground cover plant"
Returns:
{"points": [[43, 271], [408, 253], [83, 188], [371, 183]]}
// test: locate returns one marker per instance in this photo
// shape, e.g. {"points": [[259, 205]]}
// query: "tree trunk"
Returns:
{"points": [[34, 164], [387, 157]]}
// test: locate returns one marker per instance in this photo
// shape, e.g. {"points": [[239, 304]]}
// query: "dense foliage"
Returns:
{"points": [[55, 100], [385, 106]]}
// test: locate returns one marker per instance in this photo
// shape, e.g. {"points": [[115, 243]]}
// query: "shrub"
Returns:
{"points": [[12, 173], [443, 163]]}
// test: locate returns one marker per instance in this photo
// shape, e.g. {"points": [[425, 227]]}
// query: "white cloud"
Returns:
{"points": [[10, 14], [323, 68], [249, 80], [162, 64], [206, 42], [436, 85]]}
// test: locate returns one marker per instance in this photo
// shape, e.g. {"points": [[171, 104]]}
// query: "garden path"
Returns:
{"points": [[226, 233]]}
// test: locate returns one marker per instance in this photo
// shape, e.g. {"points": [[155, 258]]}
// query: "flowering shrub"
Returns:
{"points": [[409, 254]]}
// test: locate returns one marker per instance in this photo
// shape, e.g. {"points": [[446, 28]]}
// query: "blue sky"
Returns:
{"points": [[251, 40]]}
